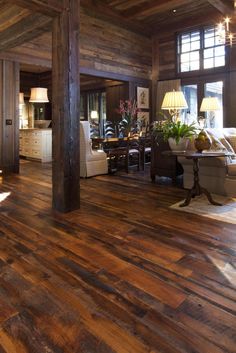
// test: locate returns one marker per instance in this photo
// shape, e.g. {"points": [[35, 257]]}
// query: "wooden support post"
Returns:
{"points": [[66, 99], [9, 116], [155, 76]]}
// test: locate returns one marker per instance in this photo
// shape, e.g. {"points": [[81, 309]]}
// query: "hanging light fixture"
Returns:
{"points": [[224, 33], [39, 95]]}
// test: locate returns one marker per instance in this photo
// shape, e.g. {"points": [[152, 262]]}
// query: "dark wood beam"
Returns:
{"points": [[223, 6], [9, 116], [188, 23], [154, 7], [25, 30], [13, 55], [66, 102], [50, 8], [99, 10]]}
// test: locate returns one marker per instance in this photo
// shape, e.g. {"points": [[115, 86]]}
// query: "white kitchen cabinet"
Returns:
{"points": [[36, 144]]}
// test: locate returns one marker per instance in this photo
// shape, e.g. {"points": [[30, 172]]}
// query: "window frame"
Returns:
{"points": [[201, 70], [200, 82]]}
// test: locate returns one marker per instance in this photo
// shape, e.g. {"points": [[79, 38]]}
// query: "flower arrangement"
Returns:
{"points": [[128, 111]]}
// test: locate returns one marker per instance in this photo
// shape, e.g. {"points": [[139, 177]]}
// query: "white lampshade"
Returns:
{"points": [[39, 95], [21, 98], [174, 100], [209, 104], [94, 115]]}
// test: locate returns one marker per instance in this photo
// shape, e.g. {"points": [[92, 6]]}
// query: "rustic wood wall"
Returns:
{"points": [[107, 47], [9, 116]]}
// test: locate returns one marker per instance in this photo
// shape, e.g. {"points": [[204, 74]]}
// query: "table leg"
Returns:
{"points": [[197, 190]]}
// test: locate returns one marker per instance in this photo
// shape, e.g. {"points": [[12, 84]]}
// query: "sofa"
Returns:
{"points": [[217, 175]]}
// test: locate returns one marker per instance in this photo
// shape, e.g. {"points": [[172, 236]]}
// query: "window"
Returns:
{"points": [[94, 104], [214, 49], [214, 89], [189, 50], [194, 93], [200, 49]]}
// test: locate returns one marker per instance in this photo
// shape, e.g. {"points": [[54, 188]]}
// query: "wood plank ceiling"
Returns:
{"points": [[22, 33]]}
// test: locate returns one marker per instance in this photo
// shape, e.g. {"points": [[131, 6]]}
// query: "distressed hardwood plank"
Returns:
{"points": [[122, 274]]}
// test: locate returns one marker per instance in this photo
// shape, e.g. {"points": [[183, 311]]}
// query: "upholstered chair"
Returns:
{"points": [[91, 162]]}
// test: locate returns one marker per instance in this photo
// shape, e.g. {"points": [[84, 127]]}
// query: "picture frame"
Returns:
{"points": [[142, 98], [144, 120]]}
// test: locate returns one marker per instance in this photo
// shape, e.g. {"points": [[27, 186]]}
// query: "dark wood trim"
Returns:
{"points": [[9, 116], [225, 7], [112, 75], [155, 76], [66, 102], [25, 59]]}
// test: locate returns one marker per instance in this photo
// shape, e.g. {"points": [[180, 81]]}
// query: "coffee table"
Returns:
{"points": [[197, 189]]}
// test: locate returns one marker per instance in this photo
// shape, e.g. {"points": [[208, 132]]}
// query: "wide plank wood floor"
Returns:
{"points": [[124, 274]]}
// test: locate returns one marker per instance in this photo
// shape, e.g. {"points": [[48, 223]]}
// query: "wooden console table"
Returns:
{"points": [[196, 189]]}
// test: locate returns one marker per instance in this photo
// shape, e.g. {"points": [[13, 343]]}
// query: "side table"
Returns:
{"points": [[197, 189]]}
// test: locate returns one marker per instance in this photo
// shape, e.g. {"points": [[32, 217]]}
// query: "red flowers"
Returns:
{"points": [[128, 109]]}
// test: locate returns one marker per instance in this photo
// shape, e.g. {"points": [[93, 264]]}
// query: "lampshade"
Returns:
{"points": [[39, 95], [94, 115], [21, 98], [174, 100], [209, 104]]}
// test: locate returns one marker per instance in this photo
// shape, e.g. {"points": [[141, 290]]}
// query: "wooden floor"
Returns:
{"points": [[124, 274]]}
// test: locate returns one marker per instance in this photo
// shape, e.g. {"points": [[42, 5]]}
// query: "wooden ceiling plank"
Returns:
{"points": [[50, 8], [155, 7], [188, 23], [107, 14], [28, 28], [11, 15], [224, 6]]}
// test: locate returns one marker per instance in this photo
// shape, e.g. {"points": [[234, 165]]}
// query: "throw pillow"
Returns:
{"points": [[219, 142], [216, 144]]}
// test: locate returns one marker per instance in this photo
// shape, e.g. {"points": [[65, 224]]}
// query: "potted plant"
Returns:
{"points": [[128, 111], [178, 134]]}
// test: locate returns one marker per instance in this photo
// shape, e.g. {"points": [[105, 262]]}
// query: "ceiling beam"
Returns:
{"points": [[154, 7], [188, 23], [99, 10], [223, 6], [23, 31], [50, 8]]}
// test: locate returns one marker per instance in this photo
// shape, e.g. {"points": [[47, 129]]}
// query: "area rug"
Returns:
{"points": [[201, 206]]}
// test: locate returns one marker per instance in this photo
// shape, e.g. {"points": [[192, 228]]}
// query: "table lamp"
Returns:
{"points": [[210, 104], [173, 102]]}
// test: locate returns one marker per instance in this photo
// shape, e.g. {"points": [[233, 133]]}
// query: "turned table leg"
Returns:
{"points": [[197, 190]]}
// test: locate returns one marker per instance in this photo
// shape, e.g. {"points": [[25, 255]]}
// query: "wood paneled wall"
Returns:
{"points": [[104, 47], [113, 96], [9, 116], [107, 47]]}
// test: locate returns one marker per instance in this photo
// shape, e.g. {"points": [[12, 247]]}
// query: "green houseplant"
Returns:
{"points": [[177, 133]]}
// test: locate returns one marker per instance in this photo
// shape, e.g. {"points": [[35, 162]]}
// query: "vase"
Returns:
{"points": [[180, 146]]}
